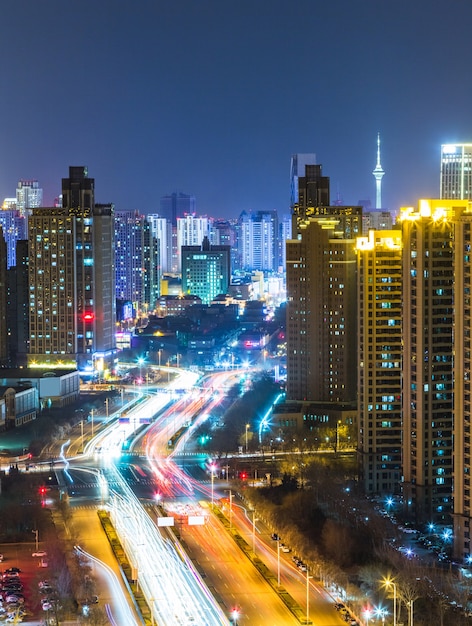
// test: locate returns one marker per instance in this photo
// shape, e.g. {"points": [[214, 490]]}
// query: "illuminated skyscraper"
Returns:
{"points": [[136, 261], [456, 171], [14, 227], [258, 237], [313, 193], [72, 279], [29, 195], [161, 229], [3, 301], [437, 352], [177, 205], [191, 231], [297, 170], [321, 294], [321, 306], [206, 270], [380, 267]]}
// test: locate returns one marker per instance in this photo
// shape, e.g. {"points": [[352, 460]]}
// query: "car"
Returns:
{"points": [[15, 597], [12, 570], [39, 553], [301, 566], [12, 587], [1, 558], [275, 537], [284, 548]]}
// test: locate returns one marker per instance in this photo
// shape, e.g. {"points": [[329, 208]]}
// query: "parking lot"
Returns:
{"points": [[20, 591]]}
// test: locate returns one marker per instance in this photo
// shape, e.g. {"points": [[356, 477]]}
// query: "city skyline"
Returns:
{"points": [[212, 99]]}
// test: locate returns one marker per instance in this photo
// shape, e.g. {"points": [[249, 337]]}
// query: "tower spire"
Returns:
{"points": [[378, 175]]}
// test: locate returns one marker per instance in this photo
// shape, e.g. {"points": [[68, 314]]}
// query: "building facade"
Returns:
{"points": [[456, 171], [258, 241], [321, 310], [433, 255], [379, 274], [72, 308], [137, 274], [29, 195], [206, 270]]}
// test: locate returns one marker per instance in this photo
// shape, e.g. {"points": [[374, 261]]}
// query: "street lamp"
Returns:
{"points": [[388, 582], [367, 615], [278, 561], [159, 353], [247, 428], [254, 520], [235, 616], [307, 597], [82, 433], [230, 509], [212, 467], [140, 363]]}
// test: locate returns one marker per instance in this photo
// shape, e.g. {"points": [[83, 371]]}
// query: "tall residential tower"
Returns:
{"points": [[72, 308]]}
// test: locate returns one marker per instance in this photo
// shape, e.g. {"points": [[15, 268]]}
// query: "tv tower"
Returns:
{"points": [[378, 175]]}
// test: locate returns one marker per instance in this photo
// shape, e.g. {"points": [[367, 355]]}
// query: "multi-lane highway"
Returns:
{"points": [[214, 579]]}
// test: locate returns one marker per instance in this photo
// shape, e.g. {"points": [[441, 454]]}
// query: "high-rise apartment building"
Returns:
{"points": [[258, 241], [72, 308], [380, 268], [14, 226], [456, 171], [436, 240], [18, 307], [298, 164], [321, 293], [225, 233], [191, 231], [177, 205], [3, 301], [313, 192], [161, 229], [29, 195], [206, 270], [321, 307], [136, 261]]}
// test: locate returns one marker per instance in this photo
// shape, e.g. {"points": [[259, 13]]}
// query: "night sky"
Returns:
{"points": [[212, 98]]}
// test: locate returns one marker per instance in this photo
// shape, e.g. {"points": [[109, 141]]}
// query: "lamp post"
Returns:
{"points": [[254, 520], [388, 582], [159, 353], [82, 434], [230, 509], [307, 596], [212, 467], [91, 415], [36, 533], [278, 561], [247, 428]]}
